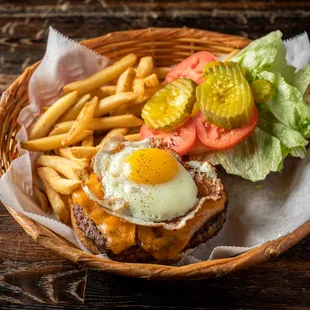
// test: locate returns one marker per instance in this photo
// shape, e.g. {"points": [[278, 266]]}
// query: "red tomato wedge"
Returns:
{"points": [[191, 67], [180, 139], [217, 138]]}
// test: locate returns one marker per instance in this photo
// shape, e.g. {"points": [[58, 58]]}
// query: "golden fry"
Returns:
{"points": [[98, 93], [112, 102], [55, 200], [103, 123], [149, 92], [82, 122], [151, 80], [138, 92], [103, 77], [47, 120], [145, 67], [88, 141], [66, 153], [84, 151], [65, 199], [114, 81], [138, 88], [133, 137], [59, 184], [52, 142], [135, 109], [113, 132], [66, 167], [43, 201], [161, 72], [124, 83], [61, 128], [76, 109], [108, 90]]}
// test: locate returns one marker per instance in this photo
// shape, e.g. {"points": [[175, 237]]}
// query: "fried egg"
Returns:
{"points": [[145, 185]]}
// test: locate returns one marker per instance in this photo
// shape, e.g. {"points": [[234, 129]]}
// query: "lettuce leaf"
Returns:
{"points": [[261, 54], [287, 104], [252, 159], [291, 139], [301, 79], [284, 121]]}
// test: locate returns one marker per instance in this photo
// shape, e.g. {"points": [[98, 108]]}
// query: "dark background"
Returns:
{"points": [[33, 275]]}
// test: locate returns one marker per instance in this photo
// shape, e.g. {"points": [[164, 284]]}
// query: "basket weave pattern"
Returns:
{"points": [[167, 46]]}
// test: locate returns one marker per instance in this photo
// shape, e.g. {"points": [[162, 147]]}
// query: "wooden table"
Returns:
{"points": [[31, 275]]}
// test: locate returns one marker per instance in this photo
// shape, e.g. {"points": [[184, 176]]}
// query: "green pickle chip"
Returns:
{"points": [[171, 105], [225, 98]]}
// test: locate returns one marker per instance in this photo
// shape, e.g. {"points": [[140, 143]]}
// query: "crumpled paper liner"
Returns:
{"points": [[256, 213]]}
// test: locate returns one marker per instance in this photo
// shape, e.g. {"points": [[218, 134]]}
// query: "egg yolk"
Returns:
{"points": [[151, 166]]}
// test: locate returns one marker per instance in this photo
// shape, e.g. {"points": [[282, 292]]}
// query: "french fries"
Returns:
{"points": [[138, 93], [112, 102], [47, 120], [149, 92], [76, 109], [151, 80], [57, 204], [138, 88], [43, 201], [66, 153], [52, 142], [108, 90], [145, 67], [124, 83], [65, 199], [110, 122], [98, 93], [103, 77], [66, 167], [81, 122], [59, 184], [74, 128], [133, 137], [101, 124], [135, 109], [113, 132], [84, 151], [161, 72], [88, 141]]}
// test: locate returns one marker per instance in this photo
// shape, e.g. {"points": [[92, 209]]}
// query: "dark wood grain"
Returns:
{"points": [[34, 276], [30, 273]]}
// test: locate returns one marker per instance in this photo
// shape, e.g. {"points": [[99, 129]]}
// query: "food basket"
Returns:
{"points": [[167, 46]]}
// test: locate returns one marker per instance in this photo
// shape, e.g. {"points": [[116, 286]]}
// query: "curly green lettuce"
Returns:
{"points": [[284, 120]]}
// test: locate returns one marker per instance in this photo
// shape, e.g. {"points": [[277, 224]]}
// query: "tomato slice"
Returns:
{"points": [[217, 138], [180, 139], [191, 67], [198, 147]]}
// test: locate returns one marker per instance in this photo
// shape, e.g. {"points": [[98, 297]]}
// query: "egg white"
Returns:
{"points": [[147, 203]]}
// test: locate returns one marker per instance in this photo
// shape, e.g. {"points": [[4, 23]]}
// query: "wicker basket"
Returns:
{"points": [[168, 46]]}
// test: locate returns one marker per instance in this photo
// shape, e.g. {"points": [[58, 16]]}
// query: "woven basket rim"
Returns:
{"points": [[204, 269]]}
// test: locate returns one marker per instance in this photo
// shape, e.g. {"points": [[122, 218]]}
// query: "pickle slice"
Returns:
{"points": [[170, 106], [262, 90], [225, 98]]}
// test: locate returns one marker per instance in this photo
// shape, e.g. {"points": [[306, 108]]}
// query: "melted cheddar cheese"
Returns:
{"points": [[119, 235], [162, 244]]}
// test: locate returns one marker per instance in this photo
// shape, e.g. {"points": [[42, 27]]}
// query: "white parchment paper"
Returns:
{"points": [[257, 212]]}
